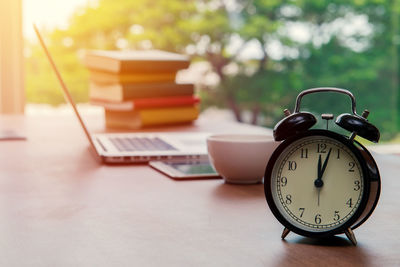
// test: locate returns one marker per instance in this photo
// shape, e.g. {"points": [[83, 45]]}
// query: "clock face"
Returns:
{"points": [[317, 183]]}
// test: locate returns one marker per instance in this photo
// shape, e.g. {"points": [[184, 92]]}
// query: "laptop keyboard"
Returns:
{"points": [[140, 144]]}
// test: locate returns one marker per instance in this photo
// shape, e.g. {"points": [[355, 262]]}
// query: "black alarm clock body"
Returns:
{"points": [[319, 183]]}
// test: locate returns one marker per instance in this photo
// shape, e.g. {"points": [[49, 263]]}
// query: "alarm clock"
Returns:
{"points": [[320, 183]]}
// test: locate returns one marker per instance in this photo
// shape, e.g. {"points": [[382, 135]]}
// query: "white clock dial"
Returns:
{"points": [[317, 183]]}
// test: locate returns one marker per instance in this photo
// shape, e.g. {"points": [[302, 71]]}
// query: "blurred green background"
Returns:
{"points": [[260, 54]]}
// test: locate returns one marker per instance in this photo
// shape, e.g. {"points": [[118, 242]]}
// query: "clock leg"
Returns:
{"points": [[350, 235], [285, 233]]}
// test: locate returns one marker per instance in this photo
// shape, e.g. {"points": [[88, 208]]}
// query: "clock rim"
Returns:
{"points": [[365, 195], [374, 192]]}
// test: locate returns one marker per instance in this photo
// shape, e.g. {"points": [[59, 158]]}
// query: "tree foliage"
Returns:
{"points": [[300, 44]]}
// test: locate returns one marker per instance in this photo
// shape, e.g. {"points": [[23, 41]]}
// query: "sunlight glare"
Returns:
{"points": [[48, 13]]}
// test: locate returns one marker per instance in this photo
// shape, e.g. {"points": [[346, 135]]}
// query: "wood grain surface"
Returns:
{"points": [[59, 207]]}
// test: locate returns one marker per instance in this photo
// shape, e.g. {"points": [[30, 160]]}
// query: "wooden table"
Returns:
{"points": [[59, 207]]}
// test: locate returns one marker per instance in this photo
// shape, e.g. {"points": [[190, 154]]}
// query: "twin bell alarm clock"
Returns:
{"points": [[320, 183]]}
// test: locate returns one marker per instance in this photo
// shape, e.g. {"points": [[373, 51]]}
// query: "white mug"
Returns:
{"points": [[240, 158]]}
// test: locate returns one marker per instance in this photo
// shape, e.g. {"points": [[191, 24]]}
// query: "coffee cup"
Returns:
{"points": [[240, 158]]}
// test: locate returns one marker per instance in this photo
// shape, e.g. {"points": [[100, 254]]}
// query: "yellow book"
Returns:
{"points": [[102, 77], [150, 117]]}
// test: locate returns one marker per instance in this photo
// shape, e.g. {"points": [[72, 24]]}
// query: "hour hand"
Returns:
{"points": [[318, 182]]}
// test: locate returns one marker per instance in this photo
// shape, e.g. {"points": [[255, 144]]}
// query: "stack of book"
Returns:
{"points": [[138, 88]]}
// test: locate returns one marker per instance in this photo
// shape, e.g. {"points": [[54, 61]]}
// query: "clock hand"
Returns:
{"points": [[319, 168], [325, 162], [318, 182]]}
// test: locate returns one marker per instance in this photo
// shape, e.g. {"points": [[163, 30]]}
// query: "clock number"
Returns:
{"points": [[336, 216], [338, 153], [321, 148], [288, 199], [304, 153], [349, 203], [318, 219], [357, 185], [301, 211], [292, 165], [351, 165], [283, 181]]}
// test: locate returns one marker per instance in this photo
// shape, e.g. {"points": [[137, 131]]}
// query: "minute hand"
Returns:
{"points": [[325, 163]]}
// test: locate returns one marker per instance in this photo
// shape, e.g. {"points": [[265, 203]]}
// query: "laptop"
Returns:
{"points": [[135, 147]]}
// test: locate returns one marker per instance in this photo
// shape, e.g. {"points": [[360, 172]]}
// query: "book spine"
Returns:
{"points": [[97, 63], [158, 91], [109, 78], [150, 117], [119, 93], [116, 106], [165, 102], [154, 66], [144, 103]]}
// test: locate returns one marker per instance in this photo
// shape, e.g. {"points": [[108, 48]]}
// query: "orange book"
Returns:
{"points": [[102, 77], [143, 103]]}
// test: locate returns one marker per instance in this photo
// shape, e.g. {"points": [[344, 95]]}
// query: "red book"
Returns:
{"points": [[145, 103]]}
